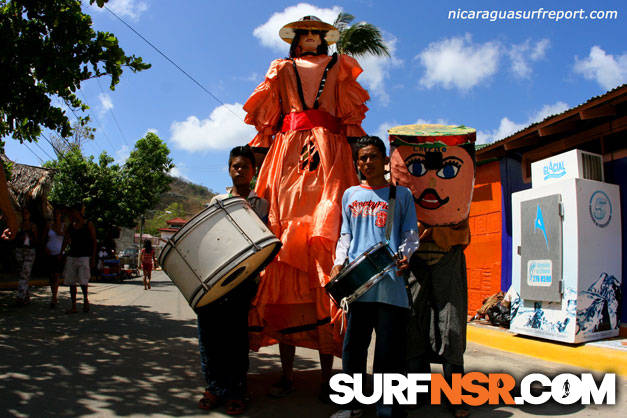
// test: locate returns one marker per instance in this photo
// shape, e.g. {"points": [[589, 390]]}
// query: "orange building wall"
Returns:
{"points": [[483, 255]]}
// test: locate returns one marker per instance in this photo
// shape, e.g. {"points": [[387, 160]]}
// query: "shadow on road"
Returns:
{"points": [[125, 359], [122, 358]]}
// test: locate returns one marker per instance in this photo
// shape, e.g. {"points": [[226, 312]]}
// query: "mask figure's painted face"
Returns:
{"points": [[310, 40], [440, 178]]}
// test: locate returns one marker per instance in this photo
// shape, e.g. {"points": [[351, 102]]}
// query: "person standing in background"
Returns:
{"points": [[26, 243], [147, 257], [53, 237], [81, 237]]}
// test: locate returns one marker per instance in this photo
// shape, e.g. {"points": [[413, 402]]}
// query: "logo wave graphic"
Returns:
{"points": [[554, 175]]}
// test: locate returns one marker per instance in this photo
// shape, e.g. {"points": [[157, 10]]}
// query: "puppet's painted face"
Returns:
{"points": [[309, 41], [440, 179]]}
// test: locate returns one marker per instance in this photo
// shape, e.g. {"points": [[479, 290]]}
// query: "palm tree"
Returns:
{"points": [[359, 39]]}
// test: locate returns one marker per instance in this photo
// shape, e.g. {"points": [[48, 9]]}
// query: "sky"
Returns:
{"points": [[495, 75]]}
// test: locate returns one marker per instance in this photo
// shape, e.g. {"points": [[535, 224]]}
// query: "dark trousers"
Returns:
{"points": [[223, 342], [390, 326]]}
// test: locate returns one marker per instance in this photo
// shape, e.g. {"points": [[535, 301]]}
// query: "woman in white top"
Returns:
{"points": [[54, 259]]}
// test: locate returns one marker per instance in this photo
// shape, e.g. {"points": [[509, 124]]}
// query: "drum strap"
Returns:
{"points": [[391, 209], [388, 233]]}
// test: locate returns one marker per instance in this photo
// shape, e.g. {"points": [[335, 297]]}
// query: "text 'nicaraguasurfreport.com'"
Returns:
{"points": [[538, 14]]}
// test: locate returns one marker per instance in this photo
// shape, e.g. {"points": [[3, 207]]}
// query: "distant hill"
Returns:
{"points": [[184, 199]]}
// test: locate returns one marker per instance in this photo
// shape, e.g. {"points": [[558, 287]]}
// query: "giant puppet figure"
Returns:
{"points": [[304, 111], [437, 163]]}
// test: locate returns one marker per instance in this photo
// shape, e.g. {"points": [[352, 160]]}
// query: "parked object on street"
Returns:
{"points": [[110, 269], [129, 266]]}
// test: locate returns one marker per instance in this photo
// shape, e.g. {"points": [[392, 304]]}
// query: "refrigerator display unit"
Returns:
{"points": [[566, 261]]}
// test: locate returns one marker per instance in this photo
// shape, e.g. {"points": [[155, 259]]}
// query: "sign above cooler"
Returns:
{"points": [[572, 164]]}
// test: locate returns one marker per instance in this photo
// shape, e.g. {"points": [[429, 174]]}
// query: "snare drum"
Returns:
{"points": [[361, 274], [217, 250]]}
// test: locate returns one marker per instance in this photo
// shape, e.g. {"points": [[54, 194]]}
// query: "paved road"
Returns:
{"points": [[135, 354]]}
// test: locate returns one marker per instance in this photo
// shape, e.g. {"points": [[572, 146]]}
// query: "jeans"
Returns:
{"points": [[223, 342], [390, 326]]}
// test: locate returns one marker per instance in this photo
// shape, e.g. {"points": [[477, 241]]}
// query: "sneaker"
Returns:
{"points": [[282, 388], [348, 413]]}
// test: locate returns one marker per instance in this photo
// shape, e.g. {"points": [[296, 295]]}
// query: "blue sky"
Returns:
{"points": [[496, 76]]}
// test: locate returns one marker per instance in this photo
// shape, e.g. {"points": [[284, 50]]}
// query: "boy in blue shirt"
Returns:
{"points": [[384, 308]]}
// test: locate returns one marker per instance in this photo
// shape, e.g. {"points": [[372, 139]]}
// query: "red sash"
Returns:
{"points": [[309, 119]]}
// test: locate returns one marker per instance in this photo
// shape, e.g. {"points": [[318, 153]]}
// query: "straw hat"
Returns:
{"points": [[288, 31]]}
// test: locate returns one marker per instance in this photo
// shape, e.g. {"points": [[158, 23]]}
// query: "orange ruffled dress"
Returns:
{"points": [[303, 177]]}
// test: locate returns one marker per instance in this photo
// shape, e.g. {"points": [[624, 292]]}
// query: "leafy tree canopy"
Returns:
{"points": [[113, 195], [145, 172], [47, 48]]}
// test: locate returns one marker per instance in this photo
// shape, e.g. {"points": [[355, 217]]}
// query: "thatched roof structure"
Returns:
{"points": [[29, 185]]}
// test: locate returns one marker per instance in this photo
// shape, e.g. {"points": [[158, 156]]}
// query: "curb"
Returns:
{"points": [[600, 359]]}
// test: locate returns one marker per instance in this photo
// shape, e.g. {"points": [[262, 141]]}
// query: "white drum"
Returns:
{"points": [[217, 250]]}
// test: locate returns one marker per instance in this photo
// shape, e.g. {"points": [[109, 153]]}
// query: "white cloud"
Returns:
{"points": [[605, 69], [124, 8], [508, 127], [539, 50], [458, 63], [122, 154], [548, 110], [177, 171], [223, 129], [268, 33], [440, 121], [377, 70], [522, 54], [105, 103]]}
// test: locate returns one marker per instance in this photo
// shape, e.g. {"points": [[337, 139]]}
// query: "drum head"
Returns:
{"points": [[239, 273]]}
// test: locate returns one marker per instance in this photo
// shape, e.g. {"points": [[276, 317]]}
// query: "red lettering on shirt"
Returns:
{"points": [[369, 208]]}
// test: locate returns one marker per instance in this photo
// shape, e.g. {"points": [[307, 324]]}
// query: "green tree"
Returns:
{"points": [[71, 179], [359, 39], [113, 195], [145, 172], [47, 49]]}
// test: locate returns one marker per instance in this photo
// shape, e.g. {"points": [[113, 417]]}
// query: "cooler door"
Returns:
{"points": [[541, 249]]}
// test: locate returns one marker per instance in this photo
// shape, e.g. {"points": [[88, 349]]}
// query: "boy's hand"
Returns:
{"points": [[9, 233], [335, 271], [402, 264]]}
